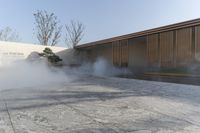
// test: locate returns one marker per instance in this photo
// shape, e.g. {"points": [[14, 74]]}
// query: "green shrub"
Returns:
{"points": [[51, 57], [48, 52]]}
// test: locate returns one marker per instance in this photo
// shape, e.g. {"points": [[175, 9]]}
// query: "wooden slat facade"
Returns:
{"points": [[137, 53], [183, 46], [124, 53], [116, 53], [171, 46], [153, 50], [166, 49], [197, 43], [120, 53]]}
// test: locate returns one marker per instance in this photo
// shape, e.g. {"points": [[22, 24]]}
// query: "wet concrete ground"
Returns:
{"points": [[169, 79], [101, 105]]}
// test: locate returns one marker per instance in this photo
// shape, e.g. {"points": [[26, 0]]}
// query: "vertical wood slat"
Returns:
{"points": [[117, 50], [124, 53], [183, 46], [116, 53], [153, 51], [193, 43], [113, 53], [174, 48], [197, 43], [120, 53], [147, 50], [166, 49]]}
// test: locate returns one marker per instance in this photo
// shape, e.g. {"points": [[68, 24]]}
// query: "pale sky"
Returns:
{"points": [[102, 18]]}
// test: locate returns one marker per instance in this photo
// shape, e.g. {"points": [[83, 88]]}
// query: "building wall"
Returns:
{"points": [[73, 57], [153, 50], [197, 43], [120, 53], [168, 49], [131, 53], [176, 48], [137, 54], [102, 51]]}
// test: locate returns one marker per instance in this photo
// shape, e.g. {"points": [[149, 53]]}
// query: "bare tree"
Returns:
{"points": [[8, 34], [48, 29], [74, 33]]}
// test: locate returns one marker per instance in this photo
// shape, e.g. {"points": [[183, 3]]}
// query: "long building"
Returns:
{"points": [[172, 46]]}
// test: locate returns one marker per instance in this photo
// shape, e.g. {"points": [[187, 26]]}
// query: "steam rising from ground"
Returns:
{"points": [[26, 74], [20, 74], [101, 67]]}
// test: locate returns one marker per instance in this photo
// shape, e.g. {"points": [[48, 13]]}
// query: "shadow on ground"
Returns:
{"points": [[114, 88]]}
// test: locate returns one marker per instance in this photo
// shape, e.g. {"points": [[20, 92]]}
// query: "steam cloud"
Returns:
{"points": [[25, 74], [21, 73], [101, 67]]}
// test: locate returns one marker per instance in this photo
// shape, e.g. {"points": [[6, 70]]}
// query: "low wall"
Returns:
{"points": [[23, 49], [14, 51]]}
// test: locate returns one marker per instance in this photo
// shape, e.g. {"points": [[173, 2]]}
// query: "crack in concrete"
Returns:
{"points": [[86, 115], [9, 116]]}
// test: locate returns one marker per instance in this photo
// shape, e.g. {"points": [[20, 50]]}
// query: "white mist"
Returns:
{"points": [[21, 73]]}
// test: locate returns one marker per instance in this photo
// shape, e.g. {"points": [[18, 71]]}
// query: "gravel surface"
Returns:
{"points": [[89, 104]]}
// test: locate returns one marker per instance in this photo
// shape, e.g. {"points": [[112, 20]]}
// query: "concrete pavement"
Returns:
{"points": [[101, 105]]}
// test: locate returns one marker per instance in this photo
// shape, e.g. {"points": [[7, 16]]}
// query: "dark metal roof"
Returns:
{"points": [[143, 33]]}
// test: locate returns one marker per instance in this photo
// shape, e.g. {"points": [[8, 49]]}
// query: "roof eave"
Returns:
{"points": [[143, 33]]}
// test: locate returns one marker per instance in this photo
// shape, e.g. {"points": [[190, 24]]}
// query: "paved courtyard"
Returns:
{"points": [[101, 105]]}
